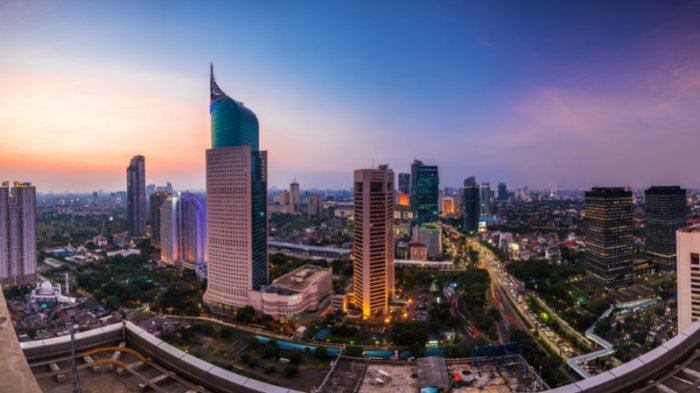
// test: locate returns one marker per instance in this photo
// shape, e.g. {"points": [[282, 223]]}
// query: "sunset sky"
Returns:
{"points": [[538, 94]]}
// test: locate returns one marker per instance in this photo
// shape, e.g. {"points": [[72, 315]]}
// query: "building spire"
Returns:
{"points": [[212, 70], [215, 92]]}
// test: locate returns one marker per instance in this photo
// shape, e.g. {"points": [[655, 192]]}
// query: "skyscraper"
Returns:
{"points": [[405, 183], [424, 191], [236, 204], [609, 240], [502, 192], [485, 199], [665, 213], [156, 201], [136, 197], [150, 189], [441, 196], [374, 239], [169, 187], [315, 205], [294, 191], [472, 207], [183, 222], [448, 205], [17, 234], [458, 204]]}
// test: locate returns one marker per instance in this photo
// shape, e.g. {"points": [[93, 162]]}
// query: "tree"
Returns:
{"points": [[291, 371], [203, 286], [337, 266], [349, 270], [295, 357], [226, 332], [113, 303], [207, 328], [321, 353], [98, 295], [602, 327], [31, 333], [406, 333], [252, 362], [253, 342], [270, 368], [354, 351], [245, 358], [268, 352]]}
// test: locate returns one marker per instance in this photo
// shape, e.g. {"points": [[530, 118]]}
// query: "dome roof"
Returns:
{"points": [[46, 287]]}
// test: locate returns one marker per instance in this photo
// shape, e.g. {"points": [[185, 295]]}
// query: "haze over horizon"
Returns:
{"points": [[561, 95]]}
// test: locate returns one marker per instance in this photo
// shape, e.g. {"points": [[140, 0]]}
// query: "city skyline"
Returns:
{"points": [[523, 88]]}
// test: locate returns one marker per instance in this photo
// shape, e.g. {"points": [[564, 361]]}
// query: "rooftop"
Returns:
{"points": [[309, 248], [302, 278]]}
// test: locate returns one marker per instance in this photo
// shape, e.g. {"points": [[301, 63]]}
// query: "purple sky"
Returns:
{"points": [[545, 94]]}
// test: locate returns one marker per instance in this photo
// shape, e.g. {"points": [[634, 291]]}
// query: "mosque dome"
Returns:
{"points": [[46, 287]]}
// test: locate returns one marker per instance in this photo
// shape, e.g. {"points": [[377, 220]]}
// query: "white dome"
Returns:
{"points": [[46, 287]]}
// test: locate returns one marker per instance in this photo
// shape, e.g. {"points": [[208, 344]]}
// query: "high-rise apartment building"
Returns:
{"points": [[374, 239], [294, 195], [441, 196], [136, 197], [424, 191], [502, 192], [688, 258], [150, 189], [485, 199], [472, 206], [458, 204], [183, 223], [315, 205], [169, 187], [236, 204], [665, 213], [156, 201], [431, 236], [17, 234], [609, 240], [405, 183], [448, 205]]}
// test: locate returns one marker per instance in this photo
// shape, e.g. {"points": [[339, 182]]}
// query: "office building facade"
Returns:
{"points": [[157, 199], [405, 183], [374, 239], [17, 234], [236, 204], [294, 195], [424, 191], [609, 241], [448, 205], [502, 192], [458, 204], [429, 235], [688, 259], [183, 223], [665, 213], [315, 205], [485, 199], [136, 197], [472, 205]]}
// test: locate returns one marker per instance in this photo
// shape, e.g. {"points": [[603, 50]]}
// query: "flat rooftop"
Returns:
{"points": [[302, 278], [304, 247], [400, 381]]}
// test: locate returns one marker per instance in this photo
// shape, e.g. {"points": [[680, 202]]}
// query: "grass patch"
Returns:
{"points": [[210, 348], [221, 351], [195, 354], [254, 376]]}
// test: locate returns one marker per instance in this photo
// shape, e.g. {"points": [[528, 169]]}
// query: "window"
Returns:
{"points": [[695, 259]]}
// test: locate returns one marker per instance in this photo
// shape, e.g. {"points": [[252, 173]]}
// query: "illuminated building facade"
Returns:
{"points": [[424, 191], [17, 234], [183, 224], [688, 257], [472, 207], [609, 240], [458, 204], [157, 199], [485, 199], [448, 205], [374, 239], [665, 213], [236, 204], [136, 197], [405, 183]]}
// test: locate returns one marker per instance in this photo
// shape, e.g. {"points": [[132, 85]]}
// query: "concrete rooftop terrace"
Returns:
{"points": [[302, 278]]}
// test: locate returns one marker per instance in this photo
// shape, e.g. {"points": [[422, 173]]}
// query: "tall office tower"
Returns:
{"points": [[448, 205], [94, 195], [150, 189], [315, 205], [502, 192], [441, 196], [374, 239], [294, 194], [183, 222], [236, 204], [609, 240], [688, 252], [665, 213], [424, 191], [136, 197], [405, 183], [458, 204], [169, 187], [485, 199], [157, 199], [17, 234], [472, 207]]}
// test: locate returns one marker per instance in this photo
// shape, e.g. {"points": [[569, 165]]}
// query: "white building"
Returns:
{"points": [[688, 265], [48, 294], [183, 232], [431, 236], [17, 234]]}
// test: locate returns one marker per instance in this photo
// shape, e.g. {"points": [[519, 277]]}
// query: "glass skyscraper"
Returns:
{"points": [[502, 192], [424, 191], [665, 213], [136, 197], [609, 240], [472, 207], [405, 183], [236, 204]]}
